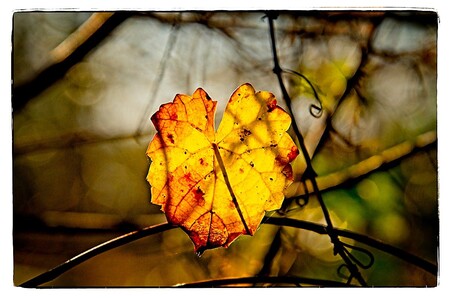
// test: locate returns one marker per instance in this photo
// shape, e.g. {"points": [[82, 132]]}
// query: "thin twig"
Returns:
{"points": [[371, 164], [99, 249], [72, 140], [24, 93], [161, 70], [159, 228], [79, 36], [354, 81], [386, 248], [265, 279], [309, 172], [271, 253]]}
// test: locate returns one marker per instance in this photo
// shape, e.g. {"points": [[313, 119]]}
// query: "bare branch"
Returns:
{"points": [[99, 249], [373, 163], [67, 54], [159, 228], [309, 173], [297, 281], [322, 229], [79, 36]]}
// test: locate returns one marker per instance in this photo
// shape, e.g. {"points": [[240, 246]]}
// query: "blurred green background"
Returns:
{"points": [[81, 127]]}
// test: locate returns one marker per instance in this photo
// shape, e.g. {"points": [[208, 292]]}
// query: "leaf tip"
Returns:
{"points": [[200, 251]]}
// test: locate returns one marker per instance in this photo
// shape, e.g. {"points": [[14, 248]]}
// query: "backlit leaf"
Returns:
{"points": [[218, 185]]}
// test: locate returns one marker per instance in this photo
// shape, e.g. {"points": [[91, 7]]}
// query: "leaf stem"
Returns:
{"points": [[309, 172]]}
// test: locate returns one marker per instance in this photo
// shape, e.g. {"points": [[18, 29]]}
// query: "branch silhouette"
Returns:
{"points": [[322, 229], [311, 184], [99, 249], [159, 228], [373, 163], [297, 281], [67, 54], [309, 173]]}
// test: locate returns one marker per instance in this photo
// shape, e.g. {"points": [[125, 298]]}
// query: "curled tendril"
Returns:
{"points": [[316, 110], [341, 274], [365, 266], [366, 252], [301, 201]]}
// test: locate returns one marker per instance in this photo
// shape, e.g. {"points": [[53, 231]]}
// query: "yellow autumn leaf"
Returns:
{"points": [[218, 185]]}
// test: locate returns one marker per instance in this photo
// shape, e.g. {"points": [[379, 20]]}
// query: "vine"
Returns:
{"points": [[287, 222], [309, 173], [310, 184]]}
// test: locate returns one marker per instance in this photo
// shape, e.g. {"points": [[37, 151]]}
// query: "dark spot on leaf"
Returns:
{"points": [[203, 162], [208, 97], [241, 170], [271, 104], [244, 133], [259, 118], [173, 114], [187, 176], [198, 195], [252, 164], [170, 137], [271, 179]]}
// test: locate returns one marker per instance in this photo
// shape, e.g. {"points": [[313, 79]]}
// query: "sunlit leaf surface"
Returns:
{"points": [[218, 186]]}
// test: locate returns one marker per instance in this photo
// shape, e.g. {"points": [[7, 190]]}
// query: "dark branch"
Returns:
{"points": [[297, 281], [353, 83], [309, 172], [382, 161], [24, 93], [148, 231], [99, 249], [321, 229], [270, 255]]}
